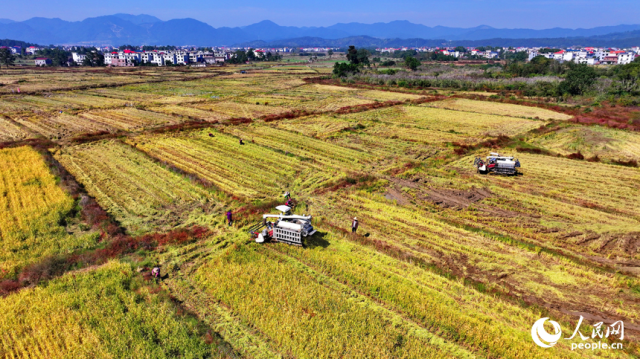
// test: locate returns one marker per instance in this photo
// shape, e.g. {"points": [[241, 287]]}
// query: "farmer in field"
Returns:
{"points": [[155, 273], [287, 195], [229, 217], [241, 142], [354, 225]]}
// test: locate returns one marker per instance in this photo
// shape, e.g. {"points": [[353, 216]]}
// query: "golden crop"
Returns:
{"points": [[31, 207], [495, 108], [134, 189]]}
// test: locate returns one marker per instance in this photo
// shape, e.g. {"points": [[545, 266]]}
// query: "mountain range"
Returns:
{"points": [[121, 29]]}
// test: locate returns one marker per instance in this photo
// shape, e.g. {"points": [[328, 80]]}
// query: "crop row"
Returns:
{"points": [[498, 265], [247, 170], [496, 108], [481, 322], [10, 132], [95, 314], [32, 206], [304, 315], [138, 192], [591, 141]]}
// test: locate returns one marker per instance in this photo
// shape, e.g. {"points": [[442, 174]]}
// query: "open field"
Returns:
{"points": [[446, 262], [97, 314], [139, 193], [503, 109], [32, 207], [604, 142]]}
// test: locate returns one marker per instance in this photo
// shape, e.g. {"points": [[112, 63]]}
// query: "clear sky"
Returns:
{"points": [[535, 14]]}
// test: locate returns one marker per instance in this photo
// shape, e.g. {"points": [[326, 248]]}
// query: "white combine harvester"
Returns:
{"points": [[496, 163], [288, 228]]}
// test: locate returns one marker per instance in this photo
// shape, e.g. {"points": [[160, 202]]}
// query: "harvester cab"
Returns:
{"points": [[286, 227], [495, 163]]}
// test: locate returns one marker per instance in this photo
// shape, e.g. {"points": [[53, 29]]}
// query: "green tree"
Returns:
{"points": [[412, 63], [6, 57], [251, 56], [460, 49], [628, 76], [330, 53], [579, 79], [358, 56], [352, 55], [342, 69], [87, 61]]}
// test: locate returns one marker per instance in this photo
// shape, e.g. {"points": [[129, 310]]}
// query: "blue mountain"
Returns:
{"points": [[120, 29]]}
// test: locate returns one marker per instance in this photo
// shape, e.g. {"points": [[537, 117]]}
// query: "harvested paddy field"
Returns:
{"points": [[173, 169]]}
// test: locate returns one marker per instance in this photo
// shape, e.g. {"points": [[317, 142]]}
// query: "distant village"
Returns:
{"points": [[586, 55], [202, 57]]}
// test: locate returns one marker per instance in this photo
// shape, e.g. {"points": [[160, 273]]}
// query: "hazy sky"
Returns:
{"points": [[536, 14]]}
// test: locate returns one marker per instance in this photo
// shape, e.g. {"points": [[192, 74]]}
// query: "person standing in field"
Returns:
{"points": [[155, 272], [354, 225], [229, 217]]}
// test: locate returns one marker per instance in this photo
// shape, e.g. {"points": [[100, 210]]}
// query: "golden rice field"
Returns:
{"points": [[495, 108], [606, 143], [141, 194], [32, 206], [97, 314], [446, 262]]}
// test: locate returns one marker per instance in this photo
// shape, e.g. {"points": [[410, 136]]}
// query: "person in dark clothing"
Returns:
{"points": [[354, 225], [229, 217], [241, 142]]}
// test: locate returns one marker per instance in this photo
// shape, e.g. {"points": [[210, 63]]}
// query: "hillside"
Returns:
{"points": [[121, 29]]}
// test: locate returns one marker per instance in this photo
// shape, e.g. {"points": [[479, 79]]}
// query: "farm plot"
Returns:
{"points": [[310, 149], [191, 112], [9, 107], [45, 80], [411, 232], [591, 141], [467, 123], [128, 96], [368, 137], [78, 100], [387, 95], [324, 98], [249, 170], [235, 109], [96, 315], [296, 310], [139, 193], [319, 126], [9, 131], [130, 119], [432, 301], [549, 205], [32, 207], [496, 108], [62, 125]]}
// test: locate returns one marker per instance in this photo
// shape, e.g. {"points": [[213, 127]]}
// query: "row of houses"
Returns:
{"points": [[16, 50], [588, 55], [127, 58]]}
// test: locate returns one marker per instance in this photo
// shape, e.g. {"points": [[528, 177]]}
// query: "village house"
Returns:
{"points": [[78, 58], [31, 50], [43, 61]]}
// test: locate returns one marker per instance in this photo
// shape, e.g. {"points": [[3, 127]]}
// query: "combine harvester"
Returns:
{"points": [[288, 228], [504, 165]]}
